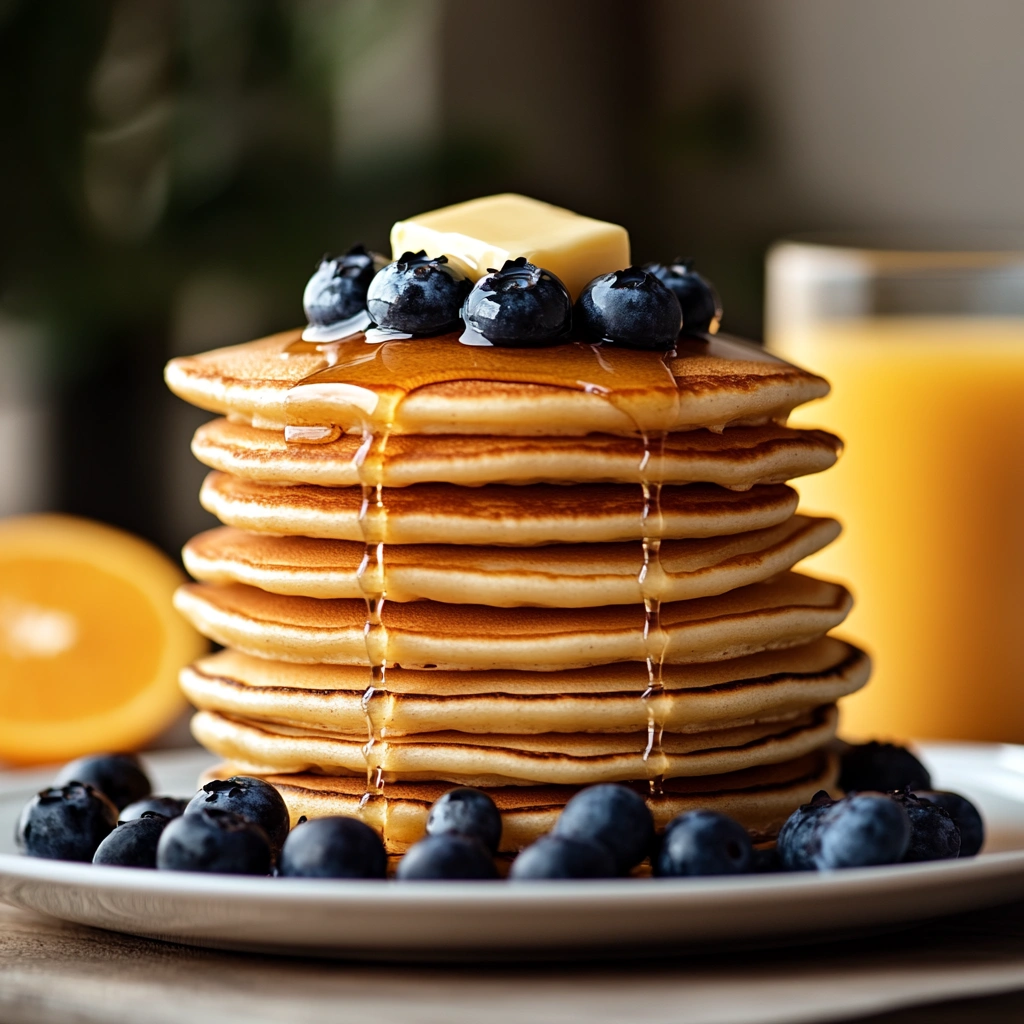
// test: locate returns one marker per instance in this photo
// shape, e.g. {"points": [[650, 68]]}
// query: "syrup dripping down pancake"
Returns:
{"points": [[784, 612], [598, 699], [759, 798], [560, 576], [721, 382], [738, 458], [493, 514]]}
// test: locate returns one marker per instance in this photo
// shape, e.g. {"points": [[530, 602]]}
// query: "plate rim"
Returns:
{"points": [[500, 893], [100, 878]]}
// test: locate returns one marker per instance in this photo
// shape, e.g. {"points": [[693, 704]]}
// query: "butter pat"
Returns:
{"points": [[483, 233]]}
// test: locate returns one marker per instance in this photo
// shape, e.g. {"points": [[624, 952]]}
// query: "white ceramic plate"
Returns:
{"points": [[483, 919]]}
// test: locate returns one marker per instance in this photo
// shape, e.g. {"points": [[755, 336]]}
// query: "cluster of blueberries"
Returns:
{"points": [[101, 809], [890, 815], [520, 305]]}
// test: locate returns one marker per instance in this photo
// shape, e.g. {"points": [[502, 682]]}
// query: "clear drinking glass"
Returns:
{"points": [[924, 346]]}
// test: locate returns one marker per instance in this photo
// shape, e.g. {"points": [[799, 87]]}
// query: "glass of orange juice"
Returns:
{"points": [[924, 347]]}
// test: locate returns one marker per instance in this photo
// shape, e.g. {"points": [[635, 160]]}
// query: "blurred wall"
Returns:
{"points": [[905, 111], [712, 126]]}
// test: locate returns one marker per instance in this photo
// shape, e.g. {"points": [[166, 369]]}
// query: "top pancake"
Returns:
{"points": [[718, 383]]}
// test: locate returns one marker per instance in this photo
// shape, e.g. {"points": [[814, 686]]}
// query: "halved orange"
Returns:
{"points": [[90, 646]]}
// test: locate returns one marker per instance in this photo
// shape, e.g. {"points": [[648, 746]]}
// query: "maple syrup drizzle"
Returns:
{"points": [[371, 574], [372, 582], [650, 579], [362, 386]]}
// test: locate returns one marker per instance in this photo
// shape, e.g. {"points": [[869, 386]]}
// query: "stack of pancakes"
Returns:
{"points": [[531, 591]]}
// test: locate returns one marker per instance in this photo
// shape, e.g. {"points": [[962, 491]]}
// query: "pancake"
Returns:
{"points": [[784, 612], [500, 760], [737, 458], [759, 798], [528, 514], [599, 699], [560, 576], [721, 382]]}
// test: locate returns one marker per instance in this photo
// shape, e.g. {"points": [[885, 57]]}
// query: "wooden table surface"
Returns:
{"points": [[55, 973]]}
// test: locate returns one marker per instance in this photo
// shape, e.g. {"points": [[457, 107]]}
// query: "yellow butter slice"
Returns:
{"points": [[483, 233]]}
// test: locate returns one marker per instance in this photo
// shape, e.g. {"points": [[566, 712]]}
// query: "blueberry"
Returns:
{"points": [[448, 855], [796, 838], [337, 290], [704, 843], [120, 777], [333, 848], [417, 295], [882, 767], [133, 843], [166, 806], [933, 832], [964, 813], [864, 829], [65, 822], [554, 856], [630, 308], [210, 839], [613, 816], [519, 305], [255, 800], [697, 297], [469, 811]]}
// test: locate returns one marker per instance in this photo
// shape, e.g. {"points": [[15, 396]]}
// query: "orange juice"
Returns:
{"points": [[930, 490]]}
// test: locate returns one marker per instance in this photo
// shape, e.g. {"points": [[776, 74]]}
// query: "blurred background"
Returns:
{"points": [[171, 171]]}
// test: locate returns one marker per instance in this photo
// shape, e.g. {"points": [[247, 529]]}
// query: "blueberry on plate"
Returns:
{"points": [[120, 777], [881, 767], [468, 811], [133, 843], [519, 305], [417, 294], [447, 856], [65, 822], [861, 830], [214, 840], [797, 838], [631, 308], [964, 813], [335, 296], [165, 806], [614, 816], [554, 856], [335, 847], [698, 300], [704, 843], [933, 832], [255, 800]]}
